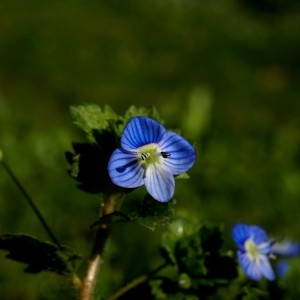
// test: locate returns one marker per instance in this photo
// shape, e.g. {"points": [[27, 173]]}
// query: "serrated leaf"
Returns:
{"points": [[37, 254], [189, 255], [91, 118], [152, 213]]}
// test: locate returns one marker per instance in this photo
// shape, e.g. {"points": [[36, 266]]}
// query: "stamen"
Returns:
{"points": [[145, 155], [165, 154]]}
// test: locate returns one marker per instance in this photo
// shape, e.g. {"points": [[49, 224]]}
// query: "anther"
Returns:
{"points": [[145, 155], [165, 154]]}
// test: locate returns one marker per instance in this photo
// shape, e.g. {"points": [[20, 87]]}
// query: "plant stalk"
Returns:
{"points": [[93, 268]]}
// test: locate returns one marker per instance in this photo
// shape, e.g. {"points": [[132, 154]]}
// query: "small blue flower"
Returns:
{"points": [[286, 248], [254, 249], [150, 155]]}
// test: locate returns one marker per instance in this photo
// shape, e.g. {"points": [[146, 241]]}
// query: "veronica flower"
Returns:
{"points": [[254, 249], [285, 250], [150, 155]]}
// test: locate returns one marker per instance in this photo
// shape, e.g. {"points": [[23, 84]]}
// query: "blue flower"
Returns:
{"points": [[285, 250], [254, 249], [150, 155]]}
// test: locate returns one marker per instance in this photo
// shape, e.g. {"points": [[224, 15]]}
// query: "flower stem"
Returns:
{"points": [[93, 268], [136, 282], [31, 204]]}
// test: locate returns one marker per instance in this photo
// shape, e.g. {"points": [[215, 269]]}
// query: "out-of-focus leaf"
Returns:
{"points": [[165, 288], [184, 281], [37, 254], [150, 112], [178, 229], [253, 293], [189, 256], [152, 213]]}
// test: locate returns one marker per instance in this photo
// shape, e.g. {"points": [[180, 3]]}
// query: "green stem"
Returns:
{"points": [[136, 282], [93, 268], [31, 204]]}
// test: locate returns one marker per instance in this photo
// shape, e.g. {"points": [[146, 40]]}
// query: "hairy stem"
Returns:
{"points": [[31, 204], [93, 267]]}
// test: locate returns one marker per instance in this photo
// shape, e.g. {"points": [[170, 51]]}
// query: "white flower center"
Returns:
{"points": [[252, 250], [151, 154]]}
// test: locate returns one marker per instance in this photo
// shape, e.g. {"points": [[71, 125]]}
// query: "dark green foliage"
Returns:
{"points": [[38, 255], [88, 165], [201, 266], [152, 214]]}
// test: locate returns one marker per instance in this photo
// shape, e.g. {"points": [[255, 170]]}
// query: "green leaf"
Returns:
{"points": [[178, 229], [38, 255], [189, 255], [164, 288], [91, 118], [182, 176], [184, 281], [253, 293], [88, 165], [150, 112], [152, 213]]}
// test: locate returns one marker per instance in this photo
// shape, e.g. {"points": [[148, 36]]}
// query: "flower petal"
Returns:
{"points": [[141, 131], [248, 266], [240, 233], [159, 182], [265, 267], [183, 154], [286, 248], [124, 169], [257, 268], [258, 235]]}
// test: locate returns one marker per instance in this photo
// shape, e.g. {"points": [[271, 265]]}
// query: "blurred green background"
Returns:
{"points": [[225, 72]]}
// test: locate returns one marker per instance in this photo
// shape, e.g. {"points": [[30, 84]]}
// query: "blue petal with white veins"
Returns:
{"points": [[159, 182], [259, 235], [141, 131], [265, 267], [182, 153], [242, 232], [257, 268], [124, 169], [249, 267]]}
